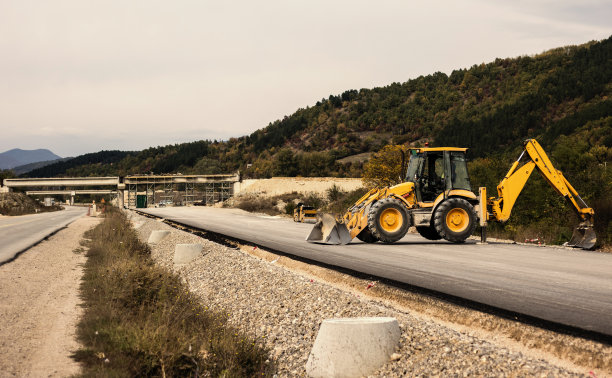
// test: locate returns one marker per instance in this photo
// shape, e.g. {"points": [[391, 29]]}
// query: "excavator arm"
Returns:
{"points": [[513, 183]]}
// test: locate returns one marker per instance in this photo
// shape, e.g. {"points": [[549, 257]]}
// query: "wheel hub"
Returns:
{"points": [[457, 219], [391, 220]]}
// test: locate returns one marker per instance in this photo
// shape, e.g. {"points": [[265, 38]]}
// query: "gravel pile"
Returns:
{"points": [[285, 309]]}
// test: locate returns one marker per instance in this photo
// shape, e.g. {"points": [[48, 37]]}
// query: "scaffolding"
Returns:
{"points": [[168, 194], [132, 192], [217, 192], [180, 189], [189, 196]]}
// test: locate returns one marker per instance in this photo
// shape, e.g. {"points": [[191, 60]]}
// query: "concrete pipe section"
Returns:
{"points": [[186, 253], [157, 235], [352, 347]]}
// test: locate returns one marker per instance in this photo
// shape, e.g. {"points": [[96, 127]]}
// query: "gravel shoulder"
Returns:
{"points": [[39, 305], [283, 307]]}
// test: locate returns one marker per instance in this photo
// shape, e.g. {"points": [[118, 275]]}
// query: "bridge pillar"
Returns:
{"points": [[120, 194]]}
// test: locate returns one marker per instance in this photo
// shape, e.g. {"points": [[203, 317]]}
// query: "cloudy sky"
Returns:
{"points": [[79, 76]]}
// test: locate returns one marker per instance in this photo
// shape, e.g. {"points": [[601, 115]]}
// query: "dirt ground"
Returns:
{"points": [[305, 185], [39, 306]]}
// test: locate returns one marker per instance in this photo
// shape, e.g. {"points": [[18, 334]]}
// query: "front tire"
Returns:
{"points": [[388, 220], [455, 220], [366, 236]]}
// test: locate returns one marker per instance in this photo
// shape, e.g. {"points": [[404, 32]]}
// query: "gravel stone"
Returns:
{"points": [[284, 310]]}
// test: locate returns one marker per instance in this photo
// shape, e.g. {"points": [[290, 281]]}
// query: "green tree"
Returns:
{"points": [[285, 163], [385, 167], [6, 174]]}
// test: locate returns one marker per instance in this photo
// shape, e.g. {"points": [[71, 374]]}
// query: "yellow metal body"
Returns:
{"points": [[438, 149], [356, 218], [449, 193], [391, 220], [458, 219], [513, 183], [300, 214]]}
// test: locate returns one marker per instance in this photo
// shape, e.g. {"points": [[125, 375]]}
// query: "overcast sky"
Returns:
{"points": [[79, 76]]}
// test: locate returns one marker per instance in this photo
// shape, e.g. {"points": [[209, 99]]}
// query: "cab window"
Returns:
{"points": [[459, 172]]}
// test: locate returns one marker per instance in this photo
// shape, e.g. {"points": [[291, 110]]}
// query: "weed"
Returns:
{"points": [[334, 193], [258, 205], [289, 207], [140, 320]]}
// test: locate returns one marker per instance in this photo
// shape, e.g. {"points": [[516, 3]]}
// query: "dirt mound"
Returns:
{"points": [[20, 204], [304, 185]]}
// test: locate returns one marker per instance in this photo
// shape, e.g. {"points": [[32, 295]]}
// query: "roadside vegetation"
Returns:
{"points": [[140, 320], [20, 204], [334, 200]]}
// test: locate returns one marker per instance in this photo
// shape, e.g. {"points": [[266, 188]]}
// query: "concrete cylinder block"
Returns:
{"points": [[185, 253], [352, 347], [157, 235]]}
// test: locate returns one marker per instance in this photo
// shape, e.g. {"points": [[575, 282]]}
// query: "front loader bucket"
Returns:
{"points": [[583, 237], [329, 231]]}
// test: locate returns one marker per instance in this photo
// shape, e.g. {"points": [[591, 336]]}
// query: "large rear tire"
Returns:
{"points": [[455, 220], [428, 232], [366, 236], [388, 220]]}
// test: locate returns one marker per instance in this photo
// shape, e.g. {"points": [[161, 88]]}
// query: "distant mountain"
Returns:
{"points": [[22, 169], [16, 157]]}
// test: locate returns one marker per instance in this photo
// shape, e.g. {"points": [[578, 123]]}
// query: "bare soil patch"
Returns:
{"points": [[304, 185], [39, 306]]}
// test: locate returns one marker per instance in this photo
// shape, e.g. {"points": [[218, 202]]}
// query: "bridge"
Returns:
{"points": [[152, 188]]}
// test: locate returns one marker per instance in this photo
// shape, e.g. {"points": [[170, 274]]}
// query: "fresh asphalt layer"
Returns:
{"points": [[567, 286], [21, 232]]}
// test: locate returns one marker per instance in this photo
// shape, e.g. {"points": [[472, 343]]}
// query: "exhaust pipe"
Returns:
{"points": [[583, 237], [328, 230]]}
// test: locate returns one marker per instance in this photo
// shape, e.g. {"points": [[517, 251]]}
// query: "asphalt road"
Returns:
{"points": [[21, 232], [567, 286]]}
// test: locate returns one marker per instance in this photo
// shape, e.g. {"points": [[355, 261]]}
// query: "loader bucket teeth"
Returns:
{"points": [[583, 237], [329, 231]]}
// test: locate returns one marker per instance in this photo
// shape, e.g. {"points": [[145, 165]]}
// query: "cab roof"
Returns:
{"points": [[437, 149]]}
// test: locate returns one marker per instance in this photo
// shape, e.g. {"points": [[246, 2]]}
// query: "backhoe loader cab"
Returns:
{"points": [[430, 169]]}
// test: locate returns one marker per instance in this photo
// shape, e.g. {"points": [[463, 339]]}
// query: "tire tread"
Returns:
{"points": [[440, 223]]}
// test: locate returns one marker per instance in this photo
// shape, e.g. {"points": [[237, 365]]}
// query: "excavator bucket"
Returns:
{"points": [[329, 231], [583, 237]]}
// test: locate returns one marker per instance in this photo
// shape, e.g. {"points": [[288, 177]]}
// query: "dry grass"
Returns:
{"points": [[334, 201], [140, 320]]}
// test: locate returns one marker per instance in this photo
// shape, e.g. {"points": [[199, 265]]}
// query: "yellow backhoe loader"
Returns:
{"points": [[437, 199], [302, 213]]}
